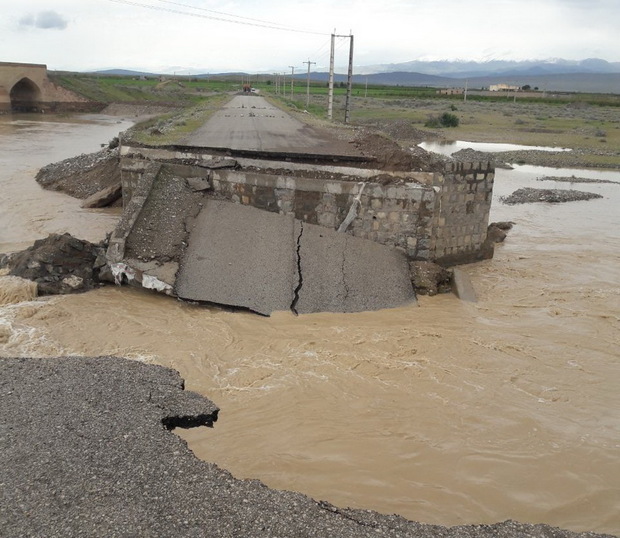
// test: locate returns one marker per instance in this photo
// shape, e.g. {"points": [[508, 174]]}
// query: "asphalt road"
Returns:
{"points": [[250, 122], [86, 451]]}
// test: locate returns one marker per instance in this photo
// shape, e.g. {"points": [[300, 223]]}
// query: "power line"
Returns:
{"points": [[284, 27], [271, 26]]}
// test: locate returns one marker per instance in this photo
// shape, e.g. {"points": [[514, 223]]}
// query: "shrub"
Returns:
{"points": [[449, 120], [445, 120]]}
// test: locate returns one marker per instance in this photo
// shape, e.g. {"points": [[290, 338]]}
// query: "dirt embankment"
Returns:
{"points": [[84, 175], [389, 155]]}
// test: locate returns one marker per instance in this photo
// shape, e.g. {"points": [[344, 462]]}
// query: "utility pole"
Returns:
{"points": [[308, 82], [330, 91], [347, 110], [330, 96], [292, 79]]}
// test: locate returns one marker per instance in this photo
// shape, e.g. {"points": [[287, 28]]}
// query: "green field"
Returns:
{"points": [[589, 122]]}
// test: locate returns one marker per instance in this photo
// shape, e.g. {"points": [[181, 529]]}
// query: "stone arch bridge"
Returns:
{"points": [[27, 88]]}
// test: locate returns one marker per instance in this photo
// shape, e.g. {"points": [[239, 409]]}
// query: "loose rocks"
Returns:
{"points": [[84, 175], [428, 278], [529, 195], [59, 264]]}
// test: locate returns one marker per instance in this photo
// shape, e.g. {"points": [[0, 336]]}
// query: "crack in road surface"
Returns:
{"points": [[300, 278]]}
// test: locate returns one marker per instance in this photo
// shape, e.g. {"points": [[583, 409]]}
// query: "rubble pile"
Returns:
{"points": [[60, 264], [85, 175]]}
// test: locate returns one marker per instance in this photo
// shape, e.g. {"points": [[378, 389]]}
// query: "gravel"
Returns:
{"points": [[84, 175], [554, 196]]}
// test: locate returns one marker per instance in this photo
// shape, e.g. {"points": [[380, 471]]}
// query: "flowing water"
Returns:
{"points": [[446, 147], [447, 412]]}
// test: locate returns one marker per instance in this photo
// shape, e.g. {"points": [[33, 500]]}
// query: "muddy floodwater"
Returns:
{"points": [[447, 412]]}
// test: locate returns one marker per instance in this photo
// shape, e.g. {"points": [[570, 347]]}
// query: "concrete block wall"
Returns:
{"points": [[443, 218], [395, 215], [461, 213]]}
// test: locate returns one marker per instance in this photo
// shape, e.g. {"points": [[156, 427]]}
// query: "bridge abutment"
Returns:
{"points": [[432, 216]]}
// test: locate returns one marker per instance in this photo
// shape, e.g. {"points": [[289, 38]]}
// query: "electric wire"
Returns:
{"points": [[271, 26], [284, 26]]}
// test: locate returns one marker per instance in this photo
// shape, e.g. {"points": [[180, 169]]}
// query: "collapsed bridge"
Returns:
{"points": [[270, 229]]}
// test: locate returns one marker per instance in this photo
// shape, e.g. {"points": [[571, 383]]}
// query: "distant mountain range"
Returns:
{"points": [[492, 68], [569, 82], [590, 75]]}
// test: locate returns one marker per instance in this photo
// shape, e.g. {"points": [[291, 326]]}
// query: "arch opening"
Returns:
{"points": [[25, 96]]}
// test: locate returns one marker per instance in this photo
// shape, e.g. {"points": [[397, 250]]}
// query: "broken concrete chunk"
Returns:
{"points": [[153, 283], [429, 278], [244, 257], [463, 286], [104, 197], [198, 184], [342, 273], [218, 162]]}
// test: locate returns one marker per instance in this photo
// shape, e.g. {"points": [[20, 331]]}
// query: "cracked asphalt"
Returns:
{"points": [[250, 122], [87, 451], [245, 257]]}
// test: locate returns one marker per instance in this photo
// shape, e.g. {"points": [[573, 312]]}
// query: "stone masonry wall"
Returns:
{"points": [[396, 215], [461, 213], [443, 220]]}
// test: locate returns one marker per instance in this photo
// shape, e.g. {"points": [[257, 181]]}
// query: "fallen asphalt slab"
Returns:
{"points": [[245, 257], [343, 273], [87, 450], [239, 256]]}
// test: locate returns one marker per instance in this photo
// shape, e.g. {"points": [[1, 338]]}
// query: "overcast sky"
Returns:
{"points": [[182, 35]]}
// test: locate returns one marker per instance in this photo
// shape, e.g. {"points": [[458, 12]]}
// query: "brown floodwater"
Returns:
{"points": [[447, 412]]}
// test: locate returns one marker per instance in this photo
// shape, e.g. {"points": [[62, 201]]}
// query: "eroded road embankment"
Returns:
{"points": [[87, 451]]}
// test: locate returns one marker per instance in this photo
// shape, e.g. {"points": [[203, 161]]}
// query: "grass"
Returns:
{"points": [[125, 89], [172, 128]]}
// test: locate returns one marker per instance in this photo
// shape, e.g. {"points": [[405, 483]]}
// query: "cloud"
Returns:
{"points": [[27, 20], [44, 20]]}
